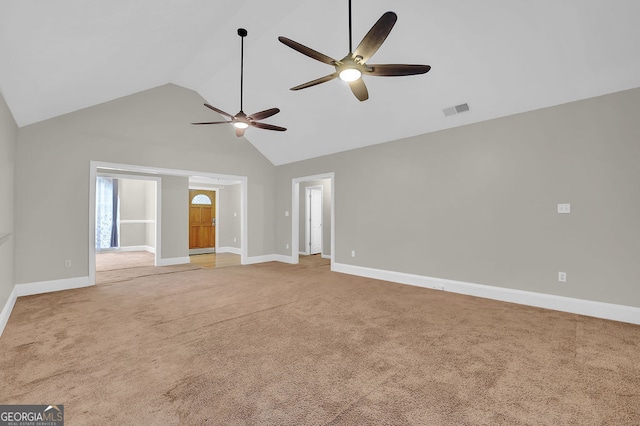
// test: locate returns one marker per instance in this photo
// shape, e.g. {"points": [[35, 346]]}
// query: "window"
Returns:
{"points": [[106, 213], [201, 199]]}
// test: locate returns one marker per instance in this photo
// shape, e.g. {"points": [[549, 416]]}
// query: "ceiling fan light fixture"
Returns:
{"points": [[352, 67], [242, 121], [350, 74]]}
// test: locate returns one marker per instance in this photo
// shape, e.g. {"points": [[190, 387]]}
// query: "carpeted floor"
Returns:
{"points": [[115, 260], [276, 344]]}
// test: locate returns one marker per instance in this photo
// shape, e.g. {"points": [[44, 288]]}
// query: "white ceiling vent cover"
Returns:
{"points": [[456, 109]]}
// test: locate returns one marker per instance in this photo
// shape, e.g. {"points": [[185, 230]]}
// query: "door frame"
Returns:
{"points": [[217, 211], [307, 218], [157, 171], [158, 182], [295, 214]]}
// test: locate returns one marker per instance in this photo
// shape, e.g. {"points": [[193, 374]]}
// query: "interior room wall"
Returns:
{"points": [[150, 213], [229, 210], [478, 203], [8, 139], [134, 212], [150, 128], [175, 217], [326, 215]]}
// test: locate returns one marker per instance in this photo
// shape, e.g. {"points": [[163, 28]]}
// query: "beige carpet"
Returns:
{"points": [[276, 344]]}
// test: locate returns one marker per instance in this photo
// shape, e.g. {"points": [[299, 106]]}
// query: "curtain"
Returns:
{"points": [[106, 213]]}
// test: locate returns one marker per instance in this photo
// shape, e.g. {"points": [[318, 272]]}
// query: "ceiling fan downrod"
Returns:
{"points": [[242, 33]]}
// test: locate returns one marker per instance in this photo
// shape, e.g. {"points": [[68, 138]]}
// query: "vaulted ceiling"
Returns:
{"points": [[500, 56]]}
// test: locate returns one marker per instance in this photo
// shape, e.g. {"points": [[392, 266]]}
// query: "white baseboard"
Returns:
{"points": [[6, 310], [306, 253], [174, 261], [137, 248], [590, 308], [209, 250], [29, 289], [283, 258], [269, 258], [233, 250]]}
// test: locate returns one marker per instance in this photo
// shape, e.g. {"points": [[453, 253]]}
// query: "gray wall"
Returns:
{"points": [[150, 213], [326, 215], [134, 203], [8, 139], [478, 203], [175, 217], [150, 128], [229, 203]]}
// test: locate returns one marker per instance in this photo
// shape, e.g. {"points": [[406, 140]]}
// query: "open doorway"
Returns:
{"points": [[172, 186], [202, 221], [313, 233], [313, 220], [126, 221], [214, 221]]}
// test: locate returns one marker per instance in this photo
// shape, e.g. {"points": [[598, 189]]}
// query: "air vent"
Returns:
{"points": [[456, 109]]}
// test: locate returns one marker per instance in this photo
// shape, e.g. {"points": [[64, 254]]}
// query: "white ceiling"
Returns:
{"points": [[500, 56]]}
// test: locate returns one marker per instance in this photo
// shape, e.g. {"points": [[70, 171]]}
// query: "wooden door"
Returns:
{"points": [[202, 219]]}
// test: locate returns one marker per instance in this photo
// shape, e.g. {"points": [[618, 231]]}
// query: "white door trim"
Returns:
{"points": [[217, 213], [158, 182], [307, 226], [118, 167], [295, 214]]}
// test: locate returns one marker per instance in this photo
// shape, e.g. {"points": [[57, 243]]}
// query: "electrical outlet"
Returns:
{"points": [[287, 246], [564, 208], [562, 277], [235, 239], [353, 253], [286, 213], [67, 263]]}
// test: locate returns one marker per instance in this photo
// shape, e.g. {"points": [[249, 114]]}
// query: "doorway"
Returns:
{"points": [[327, 181], [313, 219], [202, 221], [166, 257]]}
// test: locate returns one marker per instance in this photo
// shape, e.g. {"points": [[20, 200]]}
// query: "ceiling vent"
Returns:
{"points": [[456, 109]]}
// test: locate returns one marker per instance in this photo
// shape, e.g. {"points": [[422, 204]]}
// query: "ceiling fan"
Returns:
{"points": [[354, 65], [242, 121]]}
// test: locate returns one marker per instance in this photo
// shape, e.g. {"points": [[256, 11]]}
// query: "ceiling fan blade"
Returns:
{"points": [[359, 89], [307, 51], [219, 111], [316, 81], [214, 122], [391, 70], [264, 114], [376, 36], [268, 126], [239, 132]]}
